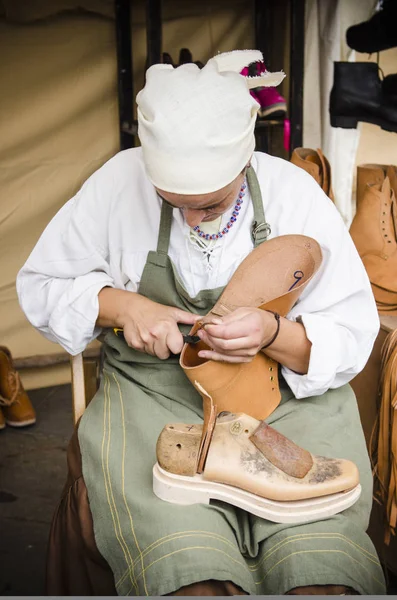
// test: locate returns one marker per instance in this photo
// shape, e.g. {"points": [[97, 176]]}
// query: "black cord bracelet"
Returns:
{"points": [[277, 317]]}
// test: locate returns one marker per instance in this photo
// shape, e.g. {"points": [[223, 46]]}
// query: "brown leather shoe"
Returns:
{"points": [[370, 174], [316, 164], [374, 233], [16, 406], [271, 277], [2, 420]]}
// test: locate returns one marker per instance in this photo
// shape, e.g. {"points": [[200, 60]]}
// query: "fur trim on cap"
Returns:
{"points": [[237, 60]]}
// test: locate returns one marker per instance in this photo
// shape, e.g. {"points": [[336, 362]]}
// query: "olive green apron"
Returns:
{"points": [[154, 547]]}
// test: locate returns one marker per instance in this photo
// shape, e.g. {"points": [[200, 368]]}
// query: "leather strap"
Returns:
{"points": [[383, 444], [208, 427], [260, 228], [163, 240]]}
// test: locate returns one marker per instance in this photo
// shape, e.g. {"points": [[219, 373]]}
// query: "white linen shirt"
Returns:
{"points": [[101, 237]]}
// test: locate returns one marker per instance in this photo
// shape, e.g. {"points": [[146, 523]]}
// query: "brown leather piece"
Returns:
{"points": [[373, 231], [316, 164], [286, 264], [16, 405], [370, 174], [282, 452], [210, 414], [383, 443]]}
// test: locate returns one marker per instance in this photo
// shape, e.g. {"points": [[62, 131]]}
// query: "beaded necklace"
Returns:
{"points": [[229, 224]]}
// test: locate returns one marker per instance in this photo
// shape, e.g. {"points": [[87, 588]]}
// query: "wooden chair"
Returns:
{"points": [[85, 381], [78, 386]]}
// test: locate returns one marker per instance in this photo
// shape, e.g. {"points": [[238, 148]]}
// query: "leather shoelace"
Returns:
{"points": [[383, 443]]}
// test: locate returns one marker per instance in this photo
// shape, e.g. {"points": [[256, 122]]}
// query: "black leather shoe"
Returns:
{"points": [[389, 86], [376, 34], [357, 95]]}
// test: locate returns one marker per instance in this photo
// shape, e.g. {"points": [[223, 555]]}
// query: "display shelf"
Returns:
{"points": [[263, 16]]}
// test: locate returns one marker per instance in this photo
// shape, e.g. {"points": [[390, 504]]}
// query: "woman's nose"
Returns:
{"points": [[193, 217]]}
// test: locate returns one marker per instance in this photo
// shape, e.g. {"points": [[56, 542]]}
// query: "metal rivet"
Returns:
{"points": [[272, 378]]}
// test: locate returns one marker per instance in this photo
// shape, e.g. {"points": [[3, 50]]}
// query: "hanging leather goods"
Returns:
{"points": [[383, 445]]}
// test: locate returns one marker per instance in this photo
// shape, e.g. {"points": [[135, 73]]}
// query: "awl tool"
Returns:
{"points": [[187, 339]]}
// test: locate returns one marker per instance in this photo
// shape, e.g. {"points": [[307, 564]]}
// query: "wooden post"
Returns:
{"points": [[78, 387]]}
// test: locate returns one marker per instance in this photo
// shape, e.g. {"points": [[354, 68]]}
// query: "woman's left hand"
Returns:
{"points": [[239, 336]]}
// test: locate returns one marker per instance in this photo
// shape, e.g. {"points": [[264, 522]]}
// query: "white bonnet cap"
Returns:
{"points": [[196, 126]]}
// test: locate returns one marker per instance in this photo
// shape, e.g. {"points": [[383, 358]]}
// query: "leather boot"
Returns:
{"points": [[316, 164], [373, 232], [389, 86], [2, 420], [357, 95], [16, 406], [378, 33], [368, 174]]}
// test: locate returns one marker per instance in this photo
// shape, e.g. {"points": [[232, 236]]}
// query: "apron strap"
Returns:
{"points": [[260, 228], [163, 240]]}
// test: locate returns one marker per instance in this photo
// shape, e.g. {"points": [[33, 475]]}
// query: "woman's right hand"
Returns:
{"points": [[148, 326]]}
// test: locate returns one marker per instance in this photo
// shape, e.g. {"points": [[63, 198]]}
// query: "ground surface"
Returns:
{"points": [[32, 475]]}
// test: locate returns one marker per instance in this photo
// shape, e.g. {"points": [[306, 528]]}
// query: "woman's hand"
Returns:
{"points": [[239, 336], [148, 326]]}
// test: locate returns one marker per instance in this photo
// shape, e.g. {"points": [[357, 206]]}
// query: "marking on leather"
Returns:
{"points": [[298, 276]]}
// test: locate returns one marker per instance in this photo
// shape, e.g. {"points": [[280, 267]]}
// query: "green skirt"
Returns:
{"points": [[154, 547]]}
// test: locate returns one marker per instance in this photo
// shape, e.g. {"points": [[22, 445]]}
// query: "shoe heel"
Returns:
{"points": [[344, 122]]}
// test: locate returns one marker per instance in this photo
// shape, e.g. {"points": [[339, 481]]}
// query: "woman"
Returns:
{"points": [[147, 245]]}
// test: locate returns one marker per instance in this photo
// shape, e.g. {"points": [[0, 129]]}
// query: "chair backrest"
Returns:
{"points": [[78, 387]]}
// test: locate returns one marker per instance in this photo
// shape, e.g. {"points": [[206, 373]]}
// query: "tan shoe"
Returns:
{"points": [[252, 466], [374, 233], [272, 277], [317, 165], [16, 406], [2, 420], [370, 174]]}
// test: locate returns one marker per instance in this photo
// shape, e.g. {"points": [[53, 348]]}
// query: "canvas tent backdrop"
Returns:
{"points": [[59, 119], [59, 113]]}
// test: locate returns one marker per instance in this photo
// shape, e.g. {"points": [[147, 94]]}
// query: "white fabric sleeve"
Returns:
{"points": [[59, 284], [337, 308]]}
